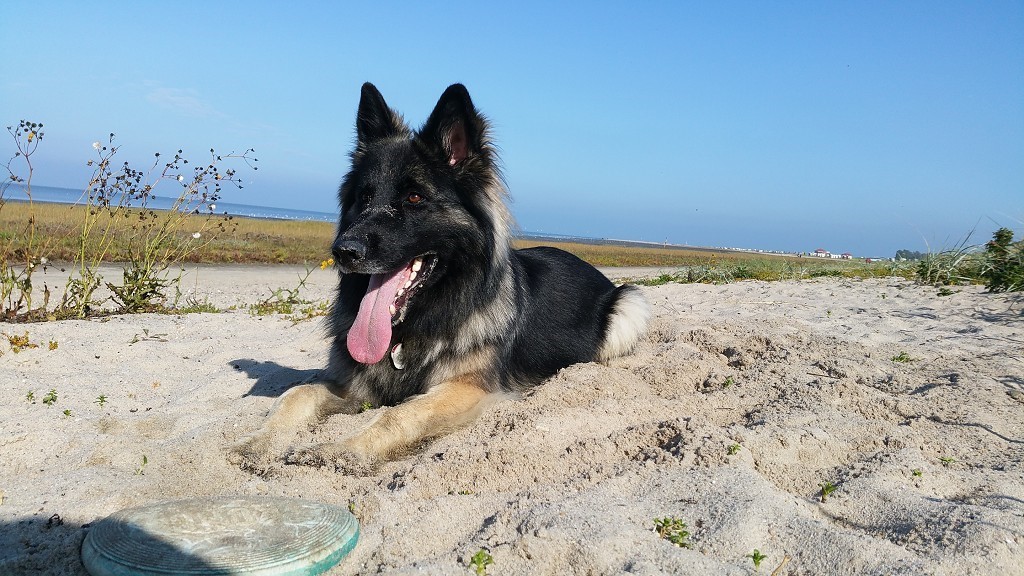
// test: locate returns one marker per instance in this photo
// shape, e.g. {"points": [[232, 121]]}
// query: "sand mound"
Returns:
{"points": [[744, 400]]}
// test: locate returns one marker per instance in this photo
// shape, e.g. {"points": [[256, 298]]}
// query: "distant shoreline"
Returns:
{"points": [[293, 241], [251, 216], [72, 197]]}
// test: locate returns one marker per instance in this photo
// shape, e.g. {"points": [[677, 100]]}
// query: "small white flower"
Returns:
{"points": [[213, 206], [43, 260], [196, 235], [181, 178], [96, 145]]}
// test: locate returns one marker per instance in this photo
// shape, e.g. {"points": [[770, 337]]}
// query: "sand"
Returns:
{"points": [[742, 401]]}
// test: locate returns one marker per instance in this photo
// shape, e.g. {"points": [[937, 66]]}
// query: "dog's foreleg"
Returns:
{"points": [[298, 408], [400, 427], [444, 406], [304, 406]]}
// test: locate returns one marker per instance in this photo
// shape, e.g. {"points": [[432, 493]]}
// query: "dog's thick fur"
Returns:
{"points": [[424, 213]]}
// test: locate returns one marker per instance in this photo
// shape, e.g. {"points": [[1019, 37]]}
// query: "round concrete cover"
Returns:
{"points": [[234, 535]]}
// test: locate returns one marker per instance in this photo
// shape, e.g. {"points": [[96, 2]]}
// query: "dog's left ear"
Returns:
{"points": [[455, 126]]}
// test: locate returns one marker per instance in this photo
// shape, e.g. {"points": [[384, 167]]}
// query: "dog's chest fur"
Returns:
{"points": [[424, 363]]}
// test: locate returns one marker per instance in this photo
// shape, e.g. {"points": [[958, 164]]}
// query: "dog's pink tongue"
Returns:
{"points": [[369, 338]]}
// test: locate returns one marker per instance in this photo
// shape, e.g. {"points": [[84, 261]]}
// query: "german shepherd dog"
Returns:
{"points": [[435, 310]]}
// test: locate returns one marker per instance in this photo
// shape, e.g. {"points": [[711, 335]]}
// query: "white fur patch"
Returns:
{"points": [[491, 319], [626, 323], [502, 221]]}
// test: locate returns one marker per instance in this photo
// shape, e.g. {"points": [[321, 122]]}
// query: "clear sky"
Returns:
{"points": [[856, 126]]}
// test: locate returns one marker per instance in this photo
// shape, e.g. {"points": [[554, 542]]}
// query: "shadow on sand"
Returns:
{"points": [[37, 545], [272, 379]]}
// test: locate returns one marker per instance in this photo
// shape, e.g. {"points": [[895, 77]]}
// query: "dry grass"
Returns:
{"points": [[635, 255], [258, 241], [710, 265], [252, 240]]}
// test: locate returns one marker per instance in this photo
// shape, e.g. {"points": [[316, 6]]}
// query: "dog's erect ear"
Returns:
{"points": [[455, 125], [375, 120]]}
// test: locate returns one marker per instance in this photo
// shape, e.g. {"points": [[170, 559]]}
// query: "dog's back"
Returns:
{"points": [[568, 312]]}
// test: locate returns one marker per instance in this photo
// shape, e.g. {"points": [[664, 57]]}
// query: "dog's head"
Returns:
{"points": [[415, 206]]}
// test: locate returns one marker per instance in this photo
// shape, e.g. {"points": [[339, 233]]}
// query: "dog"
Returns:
{"points": [[435, 310]]}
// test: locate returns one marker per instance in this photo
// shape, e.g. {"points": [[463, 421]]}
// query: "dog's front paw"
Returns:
{"points": [[339, 456], [315, 456], [256, 454]]}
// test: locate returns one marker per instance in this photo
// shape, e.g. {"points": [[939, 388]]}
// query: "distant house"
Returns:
{"points": [[822, 253]]}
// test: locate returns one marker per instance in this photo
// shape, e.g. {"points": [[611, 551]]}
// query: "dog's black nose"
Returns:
{"points": [[347, 252]]}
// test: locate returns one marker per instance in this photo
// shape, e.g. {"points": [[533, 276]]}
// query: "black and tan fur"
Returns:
{"points": [[479, 317]]}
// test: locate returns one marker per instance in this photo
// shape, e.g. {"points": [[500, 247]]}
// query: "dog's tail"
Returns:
{"points": [[627, 322]]}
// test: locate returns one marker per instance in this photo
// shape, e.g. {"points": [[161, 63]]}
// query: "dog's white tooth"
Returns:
{"points": [[392, 309], [408, 284], [417, 264], [396, 356], [412, 276]]}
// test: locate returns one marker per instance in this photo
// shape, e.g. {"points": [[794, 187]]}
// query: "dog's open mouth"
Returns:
{"points": [[384, 306]]}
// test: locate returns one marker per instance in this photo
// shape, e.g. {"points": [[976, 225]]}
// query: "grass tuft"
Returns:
{"points": [[827, 488], [757, 557], [674, 530], [480, 561]]}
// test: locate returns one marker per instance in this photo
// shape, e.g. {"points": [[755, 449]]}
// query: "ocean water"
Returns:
{"points": [[69, 196]]}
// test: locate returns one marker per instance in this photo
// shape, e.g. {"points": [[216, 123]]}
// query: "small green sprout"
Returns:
{"points": [[902, 357], [365, 406], [828, 313], [728, 382], [53, 344], [30, 397], [141, 469], [50, 398], [946, 460], [672, 529], [480, 561], [101, 400], [734, 449], [67, 413], [827, 488], [757, 557], [916, 472]]}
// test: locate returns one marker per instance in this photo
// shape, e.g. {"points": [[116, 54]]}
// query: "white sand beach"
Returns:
{"points": [[744, 400]]}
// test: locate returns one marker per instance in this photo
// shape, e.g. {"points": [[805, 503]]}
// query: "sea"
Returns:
{"points": [[70, 196]]}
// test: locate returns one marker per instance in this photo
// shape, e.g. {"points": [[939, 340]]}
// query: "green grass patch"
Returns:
{"points": [[674, 530]]}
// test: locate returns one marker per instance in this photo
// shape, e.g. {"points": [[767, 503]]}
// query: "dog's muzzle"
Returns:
{"points": [[348, 252]]}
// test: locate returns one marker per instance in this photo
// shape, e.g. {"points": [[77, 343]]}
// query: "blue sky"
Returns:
{"points": [[863, 126]]}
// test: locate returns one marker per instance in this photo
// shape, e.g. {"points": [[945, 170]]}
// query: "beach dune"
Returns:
{"points": [[742, 403]]}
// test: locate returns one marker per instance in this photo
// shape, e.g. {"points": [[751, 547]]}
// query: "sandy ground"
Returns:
{"points": [[742, 401]]}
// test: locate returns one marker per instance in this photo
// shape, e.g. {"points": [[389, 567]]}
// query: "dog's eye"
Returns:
{"points": [[414, 198]]}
